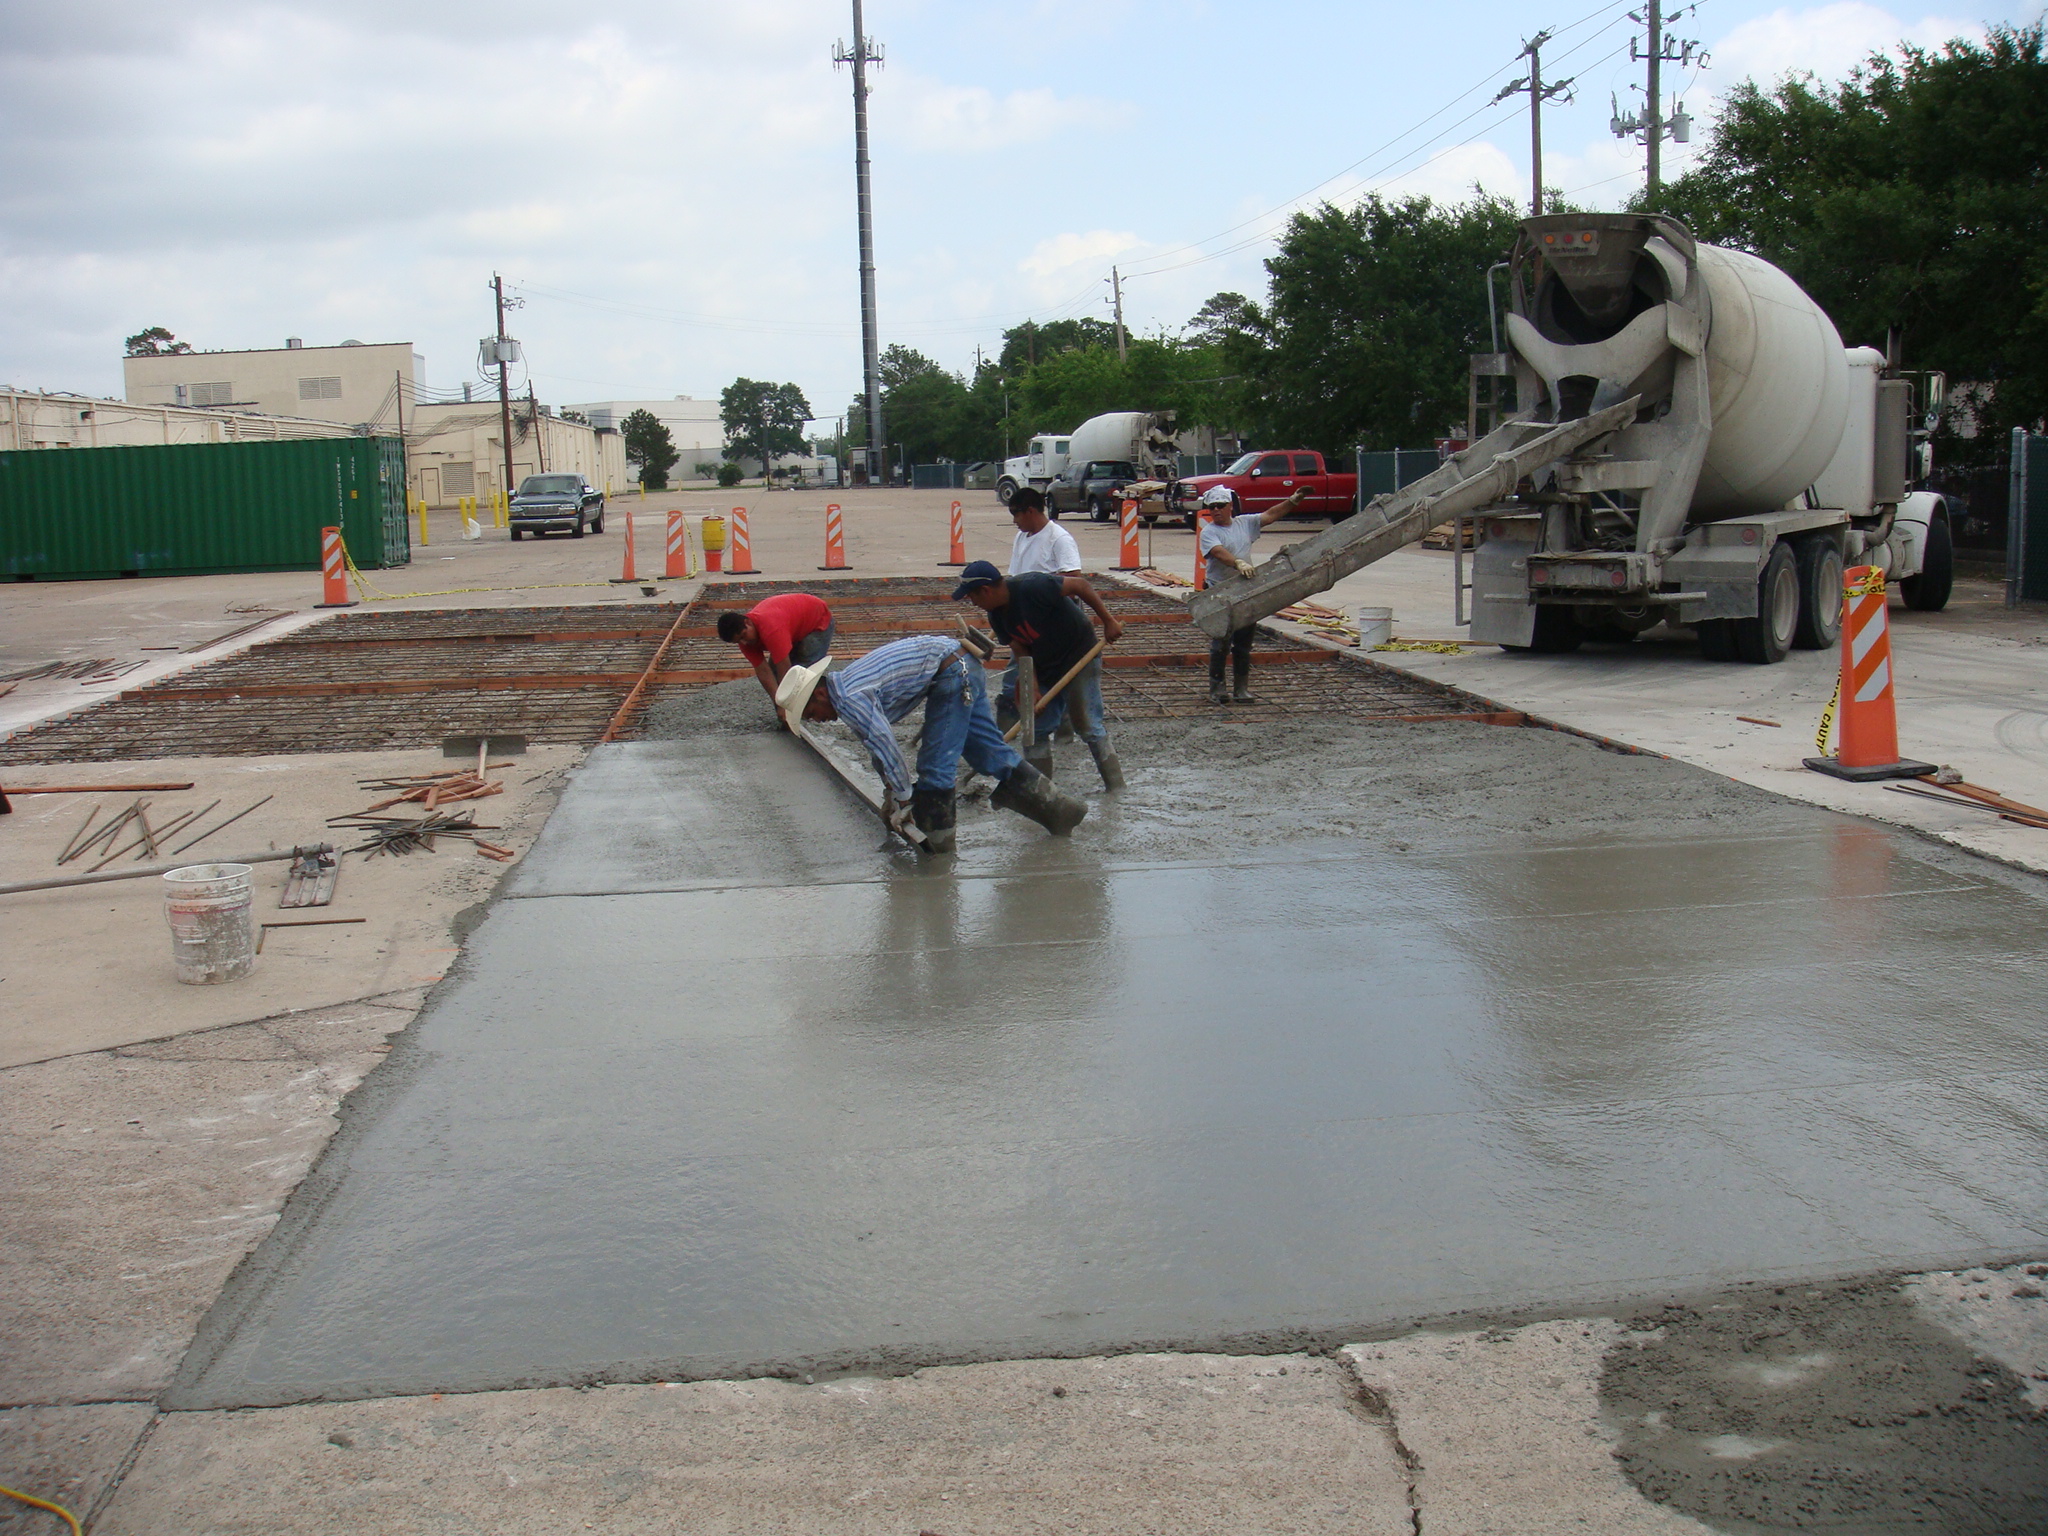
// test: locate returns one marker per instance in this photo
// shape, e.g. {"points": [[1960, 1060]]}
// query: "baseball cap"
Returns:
{"points": [[976, 573], [1217, 496]]}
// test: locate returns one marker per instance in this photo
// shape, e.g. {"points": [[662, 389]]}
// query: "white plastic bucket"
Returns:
{"points": [[212, 938], [1375, 627]]}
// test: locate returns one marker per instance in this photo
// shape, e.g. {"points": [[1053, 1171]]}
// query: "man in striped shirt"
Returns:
{"points": [[883, 687]]}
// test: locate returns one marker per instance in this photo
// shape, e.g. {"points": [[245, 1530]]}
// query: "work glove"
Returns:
{"points": [[1245, 569], [894, 812]]}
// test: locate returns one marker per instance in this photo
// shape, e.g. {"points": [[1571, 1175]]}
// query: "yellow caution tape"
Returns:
{"points": [[1827, 718], [372, 594], [1870, 585]]}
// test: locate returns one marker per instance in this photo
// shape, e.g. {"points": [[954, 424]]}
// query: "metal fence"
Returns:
{"points": [[1386, 470], [938, 477], [2026, 544], [1187, 464]]}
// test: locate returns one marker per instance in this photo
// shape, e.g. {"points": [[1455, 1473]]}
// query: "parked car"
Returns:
{"points": [[545, 503], [1094, 487], [1261, 479]]}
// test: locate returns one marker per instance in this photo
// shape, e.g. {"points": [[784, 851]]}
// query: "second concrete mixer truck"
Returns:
{"points": [[1693, 443]]}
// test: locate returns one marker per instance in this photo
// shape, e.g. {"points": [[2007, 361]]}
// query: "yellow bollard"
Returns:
{"points": [[423, 522], [504, 510]]}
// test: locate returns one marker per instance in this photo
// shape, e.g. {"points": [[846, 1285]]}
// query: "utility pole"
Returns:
{"points": [[504, 381], [540, 444], [1116, 289], [860, 56], [1539, 91], [1652, 123]]}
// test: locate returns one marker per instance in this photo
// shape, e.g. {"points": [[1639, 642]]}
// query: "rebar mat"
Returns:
{"points": [[381, 681]]}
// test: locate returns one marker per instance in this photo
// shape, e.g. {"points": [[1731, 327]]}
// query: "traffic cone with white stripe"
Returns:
{"points": [[1867, 732], [333, 571]]}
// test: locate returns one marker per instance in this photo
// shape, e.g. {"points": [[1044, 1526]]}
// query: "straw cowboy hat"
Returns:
{"points": [[796, 688]]}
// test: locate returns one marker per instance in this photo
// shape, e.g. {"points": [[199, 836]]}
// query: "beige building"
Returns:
{"points": [[37, 419], [455, 450], [353, 383], [692, 424]]}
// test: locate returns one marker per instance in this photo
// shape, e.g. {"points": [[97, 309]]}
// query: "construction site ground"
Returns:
{"points": [[1374, 1120]]}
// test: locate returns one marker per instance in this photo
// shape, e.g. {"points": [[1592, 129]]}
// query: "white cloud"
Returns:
{"points": [[1449, 175], [1826, 41], [971, 119]]}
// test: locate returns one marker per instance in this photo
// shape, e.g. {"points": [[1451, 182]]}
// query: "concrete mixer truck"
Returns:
{"points": [[1692, 443], [1143, 439]]}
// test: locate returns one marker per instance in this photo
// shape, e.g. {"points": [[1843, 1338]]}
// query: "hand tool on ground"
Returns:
{"points": [[311, 881], [268, 856], [1054, 691]]}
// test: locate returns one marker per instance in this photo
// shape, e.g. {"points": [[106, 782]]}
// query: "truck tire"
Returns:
{"points": [[1097, 512], [579, 527], [518, 534], [1820, 592], [1929, 591], [598, 525], [1005, 489], [1717, 639], [1767, 638]]}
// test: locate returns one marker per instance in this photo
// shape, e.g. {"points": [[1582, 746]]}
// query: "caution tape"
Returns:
{"points": [[1870, 585], [372, 594], [1827, 718]]}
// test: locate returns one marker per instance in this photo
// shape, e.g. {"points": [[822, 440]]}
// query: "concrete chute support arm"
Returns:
{"points": [[1486, 472]]}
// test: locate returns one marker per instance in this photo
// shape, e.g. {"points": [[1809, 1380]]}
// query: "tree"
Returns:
{"points": [[155, 342], [651, 446], [1909, 199], [1026, 345], [922, 404], [763, 420], [1374, 312], [576, 416]]}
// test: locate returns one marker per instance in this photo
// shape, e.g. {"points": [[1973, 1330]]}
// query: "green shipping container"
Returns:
{"points": [[193, 509]]}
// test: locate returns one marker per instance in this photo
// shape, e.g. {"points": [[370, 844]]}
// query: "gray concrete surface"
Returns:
{"points": [[139, 1178], [1130, 1446], [1067, 1099], [84, 968], [73, 1456]]}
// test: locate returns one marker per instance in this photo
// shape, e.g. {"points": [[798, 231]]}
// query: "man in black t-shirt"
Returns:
{"points": [[1038, 616]]}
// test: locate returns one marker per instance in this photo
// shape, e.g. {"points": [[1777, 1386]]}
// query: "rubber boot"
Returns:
{"points": [[1030, 794], [1111, 770], [1216, 692], [1241, 680], [931, 810], [1039, 756]]}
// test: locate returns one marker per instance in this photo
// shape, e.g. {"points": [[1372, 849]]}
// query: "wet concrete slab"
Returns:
{"points": [[724, 1092]]}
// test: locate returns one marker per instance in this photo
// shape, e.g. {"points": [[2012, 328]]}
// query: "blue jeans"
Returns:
{"points": [[1080, 701], [813, 648], [957, 724]]}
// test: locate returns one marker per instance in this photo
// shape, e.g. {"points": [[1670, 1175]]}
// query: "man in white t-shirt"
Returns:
{"points": [[1223, 540], [1041, 544]]}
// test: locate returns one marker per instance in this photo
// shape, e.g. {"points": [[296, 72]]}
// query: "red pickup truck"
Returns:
{"points": [[1261, 479]]}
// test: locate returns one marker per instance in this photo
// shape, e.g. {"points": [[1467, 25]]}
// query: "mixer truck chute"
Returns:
{"points": [[1755, 459]]}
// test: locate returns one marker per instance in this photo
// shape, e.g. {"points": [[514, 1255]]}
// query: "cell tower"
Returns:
{"points": [[865, 51]]}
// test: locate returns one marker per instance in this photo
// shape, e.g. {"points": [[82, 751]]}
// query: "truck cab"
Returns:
{"points": [[1093, 486], [1037, 467]]}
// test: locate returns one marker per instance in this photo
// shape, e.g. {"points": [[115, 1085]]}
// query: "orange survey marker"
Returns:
{"points": [[1867, 734], [333, 571], [742, 546], [835, 540], [678, 563], [956, 553], [626, 574], [1127, 549]]}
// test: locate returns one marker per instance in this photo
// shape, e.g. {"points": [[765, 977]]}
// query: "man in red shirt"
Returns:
{"points": [[777, 633]]}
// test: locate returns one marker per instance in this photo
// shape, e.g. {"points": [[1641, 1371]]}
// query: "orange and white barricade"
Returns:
{"points": [[677, 546], [835, 539], [626, 574], [956, 552], [742, 545], [1127, 527], [333, 571], [1867, 732]]}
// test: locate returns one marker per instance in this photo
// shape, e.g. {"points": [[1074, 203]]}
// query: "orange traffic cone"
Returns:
{"points": [[1867, 735], [956, 553], [742, 545], [1127, 550], [678, 546], [835, 540], [333, 571]]}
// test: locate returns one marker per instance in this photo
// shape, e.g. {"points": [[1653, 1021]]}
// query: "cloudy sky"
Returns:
{"points": [[668, 186]]}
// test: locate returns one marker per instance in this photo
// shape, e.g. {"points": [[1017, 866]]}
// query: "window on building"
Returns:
{"points": [[320, 389], [211, 394]]}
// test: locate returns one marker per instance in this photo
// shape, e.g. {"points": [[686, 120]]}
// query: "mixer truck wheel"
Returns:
{"points": [[1820, 592], [1768, 637], [1005, 489], [1928, 592]]}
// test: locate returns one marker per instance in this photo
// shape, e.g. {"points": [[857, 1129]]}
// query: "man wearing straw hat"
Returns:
{"points": [[883, 687]]}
